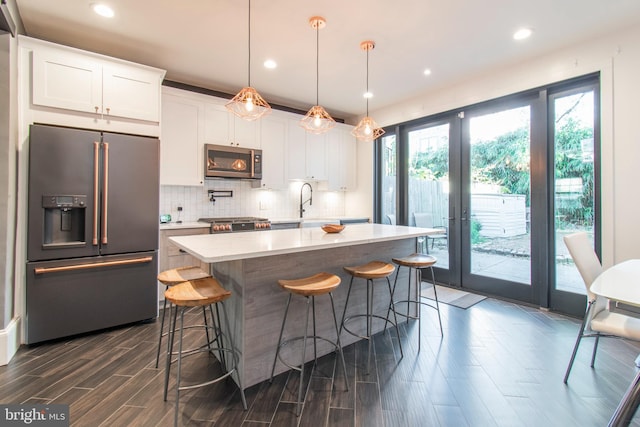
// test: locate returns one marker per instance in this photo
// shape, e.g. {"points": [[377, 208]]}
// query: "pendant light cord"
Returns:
{"points": [[368, 82], [249, 43], [317, 61]]}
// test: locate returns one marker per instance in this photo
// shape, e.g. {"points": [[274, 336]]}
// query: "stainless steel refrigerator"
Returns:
{"points": [[92, 231]]}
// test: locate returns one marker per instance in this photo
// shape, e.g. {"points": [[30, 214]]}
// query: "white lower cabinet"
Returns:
{"points": [[170, 256]]}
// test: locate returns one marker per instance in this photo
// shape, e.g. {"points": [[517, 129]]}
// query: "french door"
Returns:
{"points": [[503, 182]]}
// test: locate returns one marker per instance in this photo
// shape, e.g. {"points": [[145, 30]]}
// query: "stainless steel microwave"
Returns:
{"points": [[221, 161]]}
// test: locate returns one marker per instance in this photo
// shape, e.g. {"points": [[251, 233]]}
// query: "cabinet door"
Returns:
{"points": [[181, 152], [316, 146], [341, 160], [244, 133], [216, 124], [296, 147], [273, 134], [66, 80], [173, 257], [130, 92]]}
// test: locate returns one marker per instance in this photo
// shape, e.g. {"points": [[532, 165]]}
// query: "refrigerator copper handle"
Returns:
{"points": [[96, 151], [44, 270], [253, 163], [105, 192]]}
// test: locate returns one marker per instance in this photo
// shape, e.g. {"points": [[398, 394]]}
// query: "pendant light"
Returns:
{"points": [[367, 130], [317, 120], [248, 104]]}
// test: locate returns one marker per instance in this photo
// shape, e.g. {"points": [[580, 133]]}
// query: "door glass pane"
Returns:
{"points": [[500, 195], [388, 187], [429, 187], [574, 181]]}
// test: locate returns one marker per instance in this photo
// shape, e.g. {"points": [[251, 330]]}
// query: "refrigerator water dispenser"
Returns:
{"points": [[64, 220]]}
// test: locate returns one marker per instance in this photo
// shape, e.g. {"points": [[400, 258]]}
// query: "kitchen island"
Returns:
{"points": [[249, 264]]}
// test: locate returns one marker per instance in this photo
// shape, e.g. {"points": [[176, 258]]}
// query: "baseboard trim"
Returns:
{"points": [[9, 341]]}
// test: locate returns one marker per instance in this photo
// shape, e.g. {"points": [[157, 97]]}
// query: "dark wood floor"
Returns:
{"points": [[499, 364]]}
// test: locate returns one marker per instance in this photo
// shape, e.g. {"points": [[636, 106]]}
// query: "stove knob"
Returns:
{"points": [[228, 227], [267, 225], [215, 228], [259, 225]]}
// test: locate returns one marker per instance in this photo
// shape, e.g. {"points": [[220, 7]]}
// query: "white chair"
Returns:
{"points": [[598, 320]]}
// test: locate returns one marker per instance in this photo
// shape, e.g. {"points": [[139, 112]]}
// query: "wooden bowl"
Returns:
{"points": [[332, 228]]}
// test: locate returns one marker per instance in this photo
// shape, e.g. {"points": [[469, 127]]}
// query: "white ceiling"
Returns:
{"points": [[205, 42]]}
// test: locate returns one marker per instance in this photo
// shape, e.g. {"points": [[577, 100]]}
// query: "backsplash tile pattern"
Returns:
{"points": [[247, 201]]}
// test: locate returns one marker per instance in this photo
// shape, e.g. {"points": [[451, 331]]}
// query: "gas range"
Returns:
{"points": [[235, 224]]}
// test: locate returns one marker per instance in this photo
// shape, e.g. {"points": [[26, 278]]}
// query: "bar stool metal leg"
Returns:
{"points": [[275, 359], [304, 350], [335, 322], [164, 314], [435, 295], [308, 287]]}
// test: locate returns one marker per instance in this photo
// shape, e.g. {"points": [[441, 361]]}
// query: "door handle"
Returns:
{"points": [[464, 217], [96, 151], [43, 270], [105, 192]]}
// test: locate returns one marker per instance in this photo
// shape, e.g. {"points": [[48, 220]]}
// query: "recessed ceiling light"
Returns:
{"points": [[427, 72], [368, 95], [522, 33], [270, 64], [103, 10]]}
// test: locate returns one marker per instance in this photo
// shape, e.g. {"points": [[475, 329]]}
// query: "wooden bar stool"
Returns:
{"points": [[416, 262], [200, 293], [370, 271], [309, 287], [173, 277]]}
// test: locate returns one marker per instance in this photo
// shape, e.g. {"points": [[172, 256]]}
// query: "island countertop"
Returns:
{"points": [[212, 248]]}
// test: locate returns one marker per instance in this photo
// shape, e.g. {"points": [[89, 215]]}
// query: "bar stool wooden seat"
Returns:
{"points": [[204, 292], [370, 271], [309, 288], [173, 277], [417, 262]]}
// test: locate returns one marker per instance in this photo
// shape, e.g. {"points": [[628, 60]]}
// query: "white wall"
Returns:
{"points": [[617, 57]]}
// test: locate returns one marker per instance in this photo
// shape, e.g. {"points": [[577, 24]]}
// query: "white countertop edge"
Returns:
{"points": [[194, 244]]}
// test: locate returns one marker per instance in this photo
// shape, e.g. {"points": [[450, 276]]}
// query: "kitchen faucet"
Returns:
{"points": [[310, 199]]}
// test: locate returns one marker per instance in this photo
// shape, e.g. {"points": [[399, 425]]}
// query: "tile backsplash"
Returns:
{"points": [[247, 201]]}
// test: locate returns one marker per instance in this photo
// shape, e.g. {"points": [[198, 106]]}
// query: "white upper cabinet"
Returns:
{"points": [[181, 149], [130, 92], [223, 128], [74, 81], [341, 159], [66, 80], [306, 153], [70, 87], [273, 139]]}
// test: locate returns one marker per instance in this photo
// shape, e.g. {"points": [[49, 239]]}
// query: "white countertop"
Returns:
{"points": [[233, 246], [175, 225]]}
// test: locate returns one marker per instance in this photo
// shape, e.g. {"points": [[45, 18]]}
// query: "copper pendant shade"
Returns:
{"points": [[367, 130], [317, 120], [248, 104]]}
